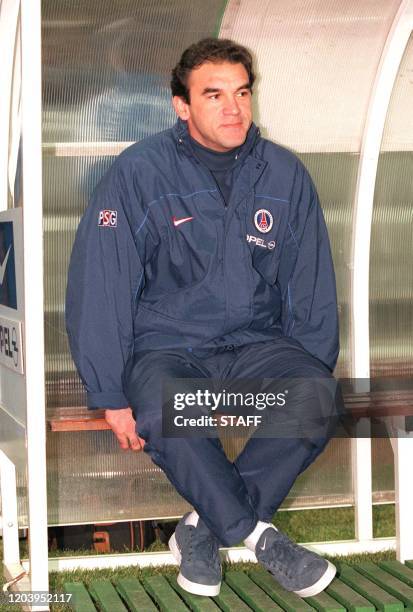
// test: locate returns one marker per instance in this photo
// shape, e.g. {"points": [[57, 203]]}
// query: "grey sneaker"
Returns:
{"points": [[294, 567], [196, 549]]}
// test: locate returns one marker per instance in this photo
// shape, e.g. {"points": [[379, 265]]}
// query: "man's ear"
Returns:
{"points": [[181, 107]]}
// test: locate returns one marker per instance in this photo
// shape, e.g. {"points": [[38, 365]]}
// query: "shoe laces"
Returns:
{"points": [[286, 555], [201, 546]]}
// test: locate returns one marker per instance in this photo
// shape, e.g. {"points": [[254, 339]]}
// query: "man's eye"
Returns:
{"points": [[214, 97], [243, 93]]}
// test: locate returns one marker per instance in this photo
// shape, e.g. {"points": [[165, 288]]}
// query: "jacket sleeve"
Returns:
{"points": [[310, 313], [104, 280]]}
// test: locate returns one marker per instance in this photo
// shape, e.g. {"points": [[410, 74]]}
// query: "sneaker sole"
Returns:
{"points": [[173, 547], [209, 590], [321, 584]]}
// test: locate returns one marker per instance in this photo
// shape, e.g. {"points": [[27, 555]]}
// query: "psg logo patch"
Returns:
{"points": [[263, 220], [108, 218]]}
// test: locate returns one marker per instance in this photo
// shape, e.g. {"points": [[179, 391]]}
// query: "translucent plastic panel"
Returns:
{"points": [[68, 183], [398, 131], [327, 482], [90, 479], [335, 177], [317, 60], [383, 471], [391, 271], [106, 65]]}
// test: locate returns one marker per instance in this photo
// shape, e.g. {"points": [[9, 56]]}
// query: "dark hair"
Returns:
{"points": [[208, 50]]}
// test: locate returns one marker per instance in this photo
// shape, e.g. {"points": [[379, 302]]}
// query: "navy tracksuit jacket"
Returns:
{"points": [[159, 262], [167, 282]]}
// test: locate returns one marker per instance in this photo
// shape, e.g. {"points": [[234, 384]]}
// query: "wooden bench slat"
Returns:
{"points": [[325, 603], [288, 601], [78, 425], [382, 599], [250, 592], [376, 404], [228, 600], [349, 598], [388, 582], [399, 570], [135, 595], [106, 596], [197, 603], [81, 600], [163, 594]]}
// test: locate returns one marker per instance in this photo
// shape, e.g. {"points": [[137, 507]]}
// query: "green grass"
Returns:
{"points": [[320, 525], [328, 524], [302, 526]]}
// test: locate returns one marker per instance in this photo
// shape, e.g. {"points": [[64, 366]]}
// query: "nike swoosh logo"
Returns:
{"points": [[177, 222], [265, 543], [3, 266]]}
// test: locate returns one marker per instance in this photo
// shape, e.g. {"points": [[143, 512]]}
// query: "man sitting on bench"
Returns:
{"points": [[204, 254]]}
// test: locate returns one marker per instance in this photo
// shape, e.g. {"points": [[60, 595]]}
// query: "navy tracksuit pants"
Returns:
{"points": [[229, 497]]}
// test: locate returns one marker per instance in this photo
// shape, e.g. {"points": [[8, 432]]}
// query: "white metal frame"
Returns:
{"points": [[394, 49], [233, 555], [402, 443], [33, 291], [36, 578], [9, 13], [403, 461], [13, 568], [11, 554]]}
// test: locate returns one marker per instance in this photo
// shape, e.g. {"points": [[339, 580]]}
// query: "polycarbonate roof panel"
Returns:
{"points": [[107, 64], [398, 130], [391, 271], [318, 59]]}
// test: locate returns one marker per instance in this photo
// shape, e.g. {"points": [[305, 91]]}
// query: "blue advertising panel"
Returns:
{"points": [[8, 290]]}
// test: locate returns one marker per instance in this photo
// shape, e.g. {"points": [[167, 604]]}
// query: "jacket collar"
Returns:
{"points": [[180, 131]]}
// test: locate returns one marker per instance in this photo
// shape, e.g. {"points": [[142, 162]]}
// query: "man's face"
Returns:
{"points": [[219, 113]]}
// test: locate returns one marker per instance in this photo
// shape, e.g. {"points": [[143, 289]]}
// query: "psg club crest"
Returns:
{"points": [[263, 220]]}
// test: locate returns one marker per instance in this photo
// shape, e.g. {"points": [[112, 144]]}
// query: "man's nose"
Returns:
{"points": [[231, 106]]}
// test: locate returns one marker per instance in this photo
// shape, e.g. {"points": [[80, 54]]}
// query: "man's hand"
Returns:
{"points": [[123, 424]]}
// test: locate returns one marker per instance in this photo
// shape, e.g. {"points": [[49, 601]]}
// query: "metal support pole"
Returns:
{"points": [[11, 553], [362, 481], [403, 455], [33, 293], [402, 445]]}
